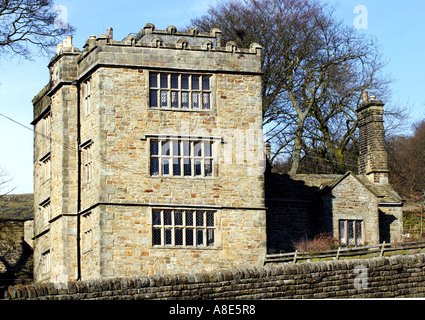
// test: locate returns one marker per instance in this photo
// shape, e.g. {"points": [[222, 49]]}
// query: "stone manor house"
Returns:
{"points": [[149, 159]]}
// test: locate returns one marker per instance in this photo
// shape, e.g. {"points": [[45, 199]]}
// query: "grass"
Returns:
{"points": [[364, 256]]}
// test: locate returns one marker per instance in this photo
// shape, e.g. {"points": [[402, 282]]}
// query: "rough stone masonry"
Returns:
{"points": [[149, 158], [383, 277]]}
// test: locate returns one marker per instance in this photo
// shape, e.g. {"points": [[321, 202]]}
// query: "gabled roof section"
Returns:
{"points": [[318, 180], [308, 187], [17, 207], [384, 192]]}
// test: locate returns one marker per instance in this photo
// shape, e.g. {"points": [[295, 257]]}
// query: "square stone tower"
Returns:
{"points": [[148, 157]]}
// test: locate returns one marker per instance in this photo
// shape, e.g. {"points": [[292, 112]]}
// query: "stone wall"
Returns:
{"points": [[14, 251], [122, 244], [350, 200], [287, 224], [15, 255], [390, 222], [383, 277]]}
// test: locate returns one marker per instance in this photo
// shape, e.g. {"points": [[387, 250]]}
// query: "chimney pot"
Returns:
{"points": [[268, 150], [59, 48], [110, 33], [69, 40], [365, 98]]}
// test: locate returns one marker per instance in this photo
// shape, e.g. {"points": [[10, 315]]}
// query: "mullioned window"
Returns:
{"points": [[181, 157], [179, 91], [183, 228]]}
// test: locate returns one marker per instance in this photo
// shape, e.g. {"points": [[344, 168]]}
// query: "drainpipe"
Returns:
{"points": [[78, 86], [110, 33]]}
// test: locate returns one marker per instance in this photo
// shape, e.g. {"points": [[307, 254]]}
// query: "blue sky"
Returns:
{"points": [[399, 28]]}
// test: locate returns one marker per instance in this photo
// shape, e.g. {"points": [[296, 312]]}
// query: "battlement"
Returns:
{"points": [[170, 38], [191, 37], [168, 49]]}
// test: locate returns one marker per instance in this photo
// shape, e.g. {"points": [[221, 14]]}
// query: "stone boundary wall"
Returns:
{"points": [[383, 277]]}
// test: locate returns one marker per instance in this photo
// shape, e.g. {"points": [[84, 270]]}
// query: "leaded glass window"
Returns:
{"points": [[183, 228], [179, 91], [181, 157]]}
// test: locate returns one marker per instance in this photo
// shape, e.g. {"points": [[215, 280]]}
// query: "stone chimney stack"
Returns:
{"points": [[268, 150], [110, 33], [372, 156]]}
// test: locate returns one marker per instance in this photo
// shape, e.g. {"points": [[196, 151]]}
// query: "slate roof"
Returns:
{"points": [[283, 187], [384, 192], [307, 187], [17, 207]]}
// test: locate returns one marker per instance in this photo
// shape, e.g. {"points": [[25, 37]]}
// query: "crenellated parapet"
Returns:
{"points": [[171, 38], [151, 48], [168, 49], [149, 37]]}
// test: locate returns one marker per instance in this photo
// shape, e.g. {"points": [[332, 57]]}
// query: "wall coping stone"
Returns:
{"points": [[231, 283]]}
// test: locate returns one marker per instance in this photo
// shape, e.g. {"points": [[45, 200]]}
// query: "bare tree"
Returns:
{"points": [[314, 71], [406, 161], [284, 29], [5, 181], [28, 25]]}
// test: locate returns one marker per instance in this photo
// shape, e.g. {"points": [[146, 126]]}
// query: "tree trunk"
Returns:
{"points": [[297, 146]]}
